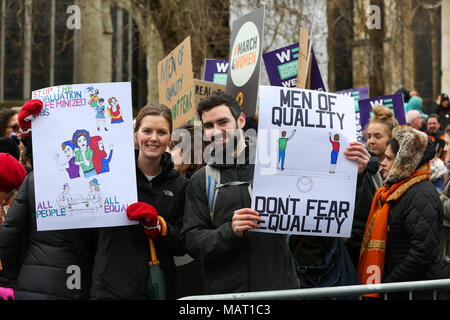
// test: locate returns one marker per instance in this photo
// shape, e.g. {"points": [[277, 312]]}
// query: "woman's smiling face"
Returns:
{"points": [[153, 136]]}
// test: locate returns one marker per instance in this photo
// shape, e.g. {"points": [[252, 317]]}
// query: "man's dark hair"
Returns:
{"points": [[434, 115], [218, 98]]}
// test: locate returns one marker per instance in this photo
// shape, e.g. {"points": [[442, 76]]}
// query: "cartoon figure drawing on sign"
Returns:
{"points": [[93, 94], [334, 152], [100, 116], [69, 162], [282, 143], [100, 158], [64, 199], [83, 156], [94, 197], [114, 111]]}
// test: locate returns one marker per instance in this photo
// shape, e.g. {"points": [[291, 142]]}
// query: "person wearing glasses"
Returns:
{"points": [[9, 124], [10, 128]]}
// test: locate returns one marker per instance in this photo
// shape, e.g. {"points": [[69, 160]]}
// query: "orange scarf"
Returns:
{"points": [[373, 247]]}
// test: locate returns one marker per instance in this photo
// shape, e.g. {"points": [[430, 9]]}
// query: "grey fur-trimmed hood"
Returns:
{"points": [[412, 146]]}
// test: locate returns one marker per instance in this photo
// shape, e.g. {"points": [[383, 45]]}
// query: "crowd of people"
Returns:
{"points": [[401, 221]]}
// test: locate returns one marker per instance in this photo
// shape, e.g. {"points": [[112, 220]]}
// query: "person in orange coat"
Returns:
{"points": [[401, 239]]}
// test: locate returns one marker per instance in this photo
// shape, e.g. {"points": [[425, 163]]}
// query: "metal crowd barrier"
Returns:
{"points": [[313, 293]]}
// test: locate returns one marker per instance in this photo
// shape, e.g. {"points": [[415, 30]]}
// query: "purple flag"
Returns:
{"points": [[216, 71], [393, 102], [357, 94], [282, 68]]}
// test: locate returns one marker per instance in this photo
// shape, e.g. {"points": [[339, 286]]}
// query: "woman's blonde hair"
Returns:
{"points": [[383, 115]]}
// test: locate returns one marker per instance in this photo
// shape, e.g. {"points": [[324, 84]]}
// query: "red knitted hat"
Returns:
{"points": [[12, 172]]}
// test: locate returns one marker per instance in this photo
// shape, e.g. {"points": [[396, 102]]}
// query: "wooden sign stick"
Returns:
{"points": [[304, 59]]}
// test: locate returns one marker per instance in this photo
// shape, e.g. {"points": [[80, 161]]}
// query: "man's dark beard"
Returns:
{"points": [[226, 154]]}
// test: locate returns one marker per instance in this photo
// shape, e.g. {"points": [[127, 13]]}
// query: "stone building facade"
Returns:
{"points": [[409, 49], [406, 51]]}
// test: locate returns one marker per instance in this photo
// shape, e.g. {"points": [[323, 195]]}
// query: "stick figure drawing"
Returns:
{"points": [[334, 152], [282, 143]]}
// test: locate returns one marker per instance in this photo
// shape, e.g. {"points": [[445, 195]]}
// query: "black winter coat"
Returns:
{"points": [[255, 262], [121, 261], [36, 264], [414, 225], [365, 190], [444, 114]]}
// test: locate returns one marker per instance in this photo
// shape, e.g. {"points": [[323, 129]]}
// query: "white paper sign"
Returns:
{"points": [[83, 154], [303, 183]]}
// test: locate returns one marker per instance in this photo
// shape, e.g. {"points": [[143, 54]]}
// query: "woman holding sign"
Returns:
{"points": [[37, 265], [121, 263]]}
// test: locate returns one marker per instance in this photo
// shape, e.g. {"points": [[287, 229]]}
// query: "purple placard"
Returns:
{"points": [[282, 68], [316, 77], [216, 71], [357, 94], [393, 102]]}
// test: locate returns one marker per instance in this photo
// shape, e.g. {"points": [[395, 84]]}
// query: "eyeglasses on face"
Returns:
{"points": [[15, 127]]}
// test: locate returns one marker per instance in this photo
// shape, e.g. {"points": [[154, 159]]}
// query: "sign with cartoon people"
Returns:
{"points": [[303, 184], [85, 139]]}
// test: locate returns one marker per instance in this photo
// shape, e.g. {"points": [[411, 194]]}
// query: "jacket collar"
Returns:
{"points": [[374, 163], [438, 134], [166, 171]]}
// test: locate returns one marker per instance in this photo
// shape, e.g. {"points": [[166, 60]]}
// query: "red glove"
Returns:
{"points": [[6, 294], [29, 112], [153, 224]]}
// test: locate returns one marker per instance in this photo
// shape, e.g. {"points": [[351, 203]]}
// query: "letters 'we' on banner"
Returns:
{"points": [[282, 68], [216, 71], [393, 102]]}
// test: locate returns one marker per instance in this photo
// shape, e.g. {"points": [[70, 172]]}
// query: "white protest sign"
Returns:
{"points": [[83, 154], [303, 184]]}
